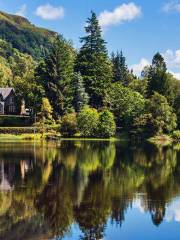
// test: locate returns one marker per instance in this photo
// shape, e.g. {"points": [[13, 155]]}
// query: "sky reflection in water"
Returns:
{"points": [[89, 190]]}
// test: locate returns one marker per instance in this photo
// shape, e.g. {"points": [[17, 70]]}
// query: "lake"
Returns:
{"points": [[89, 190]]}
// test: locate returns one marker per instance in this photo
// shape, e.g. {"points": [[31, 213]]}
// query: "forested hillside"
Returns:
{"points": [[24, 36]]}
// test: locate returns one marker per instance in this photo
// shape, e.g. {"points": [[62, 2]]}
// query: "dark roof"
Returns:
{"points": [[5, 92]]}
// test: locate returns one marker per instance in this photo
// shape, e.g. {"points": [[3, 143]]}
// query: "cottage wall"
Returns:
{"points": [[10, 105]]}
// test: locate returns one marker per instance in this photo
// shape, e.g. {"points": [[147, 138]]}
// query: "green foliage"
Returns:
{"points": [[69, 124], [176, 135], [80, 97], [56, 75], [177, 110], [157, 76], [159, 117], [140, 86], [27, 130], [107, 125], [24, 36], [16, 130], [93, 63], [94, 124], [5, 73], [144, 124], [175, 84], [125, 103], [13, 121], [120, 70], [88, 120], [46, 109], [17, 71], [164, 120]]}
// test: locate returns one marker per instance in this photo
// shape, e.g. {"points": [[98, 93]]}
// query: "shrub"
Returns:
{"points": [[125, 103], [69, 124], [46, 109], [143, 124], [88, 121], [24, 130], [15, 121], [176, 135], [107, 125], [163, 118], [17, 130]]}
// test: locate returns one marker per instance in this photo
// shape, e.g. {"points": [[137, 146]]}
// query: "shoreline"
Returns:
{"points": [[158, 139]]}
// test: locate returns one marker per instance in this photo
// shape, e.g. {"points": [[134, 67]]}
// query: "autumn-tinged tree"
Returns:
{"points": [[46, 109]]}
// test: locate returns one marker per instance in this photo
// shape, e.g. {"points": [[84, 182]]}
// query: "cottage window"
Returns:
{"points": [[12, 109], [11, 100]]}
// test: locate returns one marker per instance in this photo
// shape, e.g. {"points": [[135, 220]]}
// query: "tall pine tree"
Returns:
{"points": [[157, 76], [56, 74], [80, 97], [93, 63], [120, 69]]}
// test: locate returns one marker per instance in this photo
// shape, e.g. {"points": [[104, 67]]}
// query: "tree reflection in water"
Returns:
{"points": [[53, 185]]}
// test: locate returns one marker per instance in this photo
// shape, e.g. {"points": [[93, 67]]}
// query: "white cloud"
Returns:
{"points": [[137, 203], [49, 12], [173, 6], [173, 211], [122, 13], [137, 68], [176, 75], [22, 11], [172, 58]]}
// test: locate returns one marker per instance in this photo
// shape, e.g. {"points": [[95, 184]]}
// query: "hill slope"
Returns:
{"points": [[24, 36]]}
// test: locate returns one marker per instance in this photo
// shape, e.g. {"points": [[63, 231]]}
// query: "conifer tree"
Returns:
{"points": [[93, 63], [120, 69], [157, 76], [56, 74], [80, 96]]}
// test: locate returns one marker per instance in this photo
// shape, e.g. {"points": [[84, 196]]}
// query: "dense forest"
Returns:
{"points": [[87, 91]]}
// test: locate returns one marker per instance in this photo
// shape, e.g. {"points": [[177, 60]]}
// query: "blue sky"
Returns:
{"points": [[140, 27]]}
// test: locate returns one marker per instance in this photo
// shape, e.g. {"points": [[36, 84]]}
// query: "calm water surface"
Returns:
{"points": [[89, 190]]}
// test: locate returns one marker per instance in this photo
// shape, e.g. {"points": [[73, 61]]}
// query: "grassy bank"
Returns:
{"points": [[51, 133], [27, 133], [25, 136], [38, 136]]}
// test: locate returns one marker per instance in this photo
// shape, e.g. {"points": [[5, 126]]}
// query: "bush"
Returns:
{"points": [[15, 121], [176, 135], [107, 125], [163, 118], [125, 103], [24, 130], [88, 121], [69, 124], [17, 130]]}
